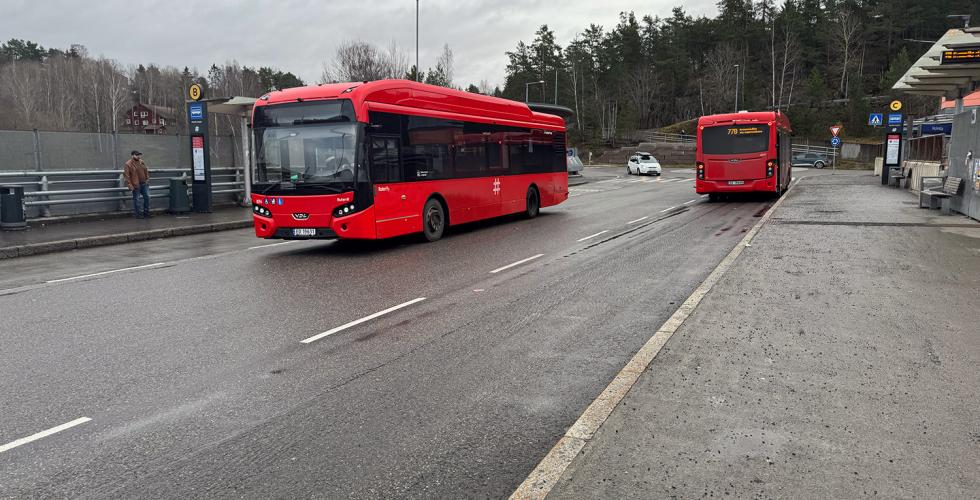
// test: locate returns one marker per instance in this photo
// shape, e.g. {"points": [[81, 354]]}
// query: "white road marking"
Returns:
{"points": [[593, 235], [272, 244], [689, 180], [692, 201], [508, 266], [34, 437], [668, 209], [645, 217], [546, 474], [704, 196], [147, 266], [362, 320]]}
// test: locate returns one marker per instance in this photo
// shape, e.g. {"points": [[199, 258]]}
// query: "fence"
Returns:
{"points": [[67, 173], [929, 148]]}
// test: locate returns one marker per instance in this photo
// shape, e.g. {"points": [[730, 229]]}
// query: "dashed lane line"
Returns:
{"points": [[43, 434], [645, 217], [134, 268], [508, 266], [589, 237], [362, 320]]}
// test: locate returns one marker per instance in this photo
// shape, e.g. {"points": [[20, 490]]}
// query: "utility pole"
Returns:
{"points": [[556, 85], [527, 86]]}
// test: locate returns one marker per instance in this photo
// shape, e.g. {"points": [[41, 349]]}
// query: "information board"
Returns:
{"points": [[197, 154], [893, 150]]}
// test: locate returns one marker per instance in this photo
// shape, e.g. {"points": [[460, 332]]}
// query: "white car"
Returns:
{"points": [[643, 163]]}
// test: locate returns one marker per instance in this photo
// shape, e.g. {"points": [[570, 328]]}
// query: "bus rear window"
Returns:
{"points": [[734, 139]]}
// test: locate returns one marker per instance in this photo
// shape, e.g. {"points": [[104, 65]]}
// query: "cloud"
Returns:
{"points": [[299, 35]]}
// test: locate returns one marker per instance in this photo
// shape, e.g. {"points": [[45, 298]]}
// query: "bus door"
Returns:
{"points": [[394, 214]]}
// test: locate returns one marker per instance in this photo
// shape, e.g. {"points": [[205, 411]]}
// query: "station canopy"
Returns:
{"points": [[950, 68]]}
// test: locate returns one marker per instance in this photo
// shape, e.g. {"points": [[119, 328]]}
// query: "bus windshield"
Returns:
{"points": [[735, 139], [305, 146]]}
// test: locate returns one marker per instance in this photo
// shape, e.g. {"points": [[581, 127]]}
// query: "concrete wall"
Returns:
{"points": [[966, 138], [673, 153]]}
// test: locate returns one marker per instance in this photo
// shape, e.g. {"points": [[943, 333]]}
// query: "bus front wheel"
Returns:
{"points": [[533, 203], [433, 220]]}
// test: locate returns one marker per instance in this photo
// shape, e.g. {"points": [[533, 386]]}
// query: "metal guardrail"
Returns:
{"points": [[230, 178], [664, 137]]}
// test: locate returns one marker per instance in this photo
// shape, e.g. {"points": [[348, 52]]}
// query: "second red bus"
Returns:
{"points": [[746, 152]]}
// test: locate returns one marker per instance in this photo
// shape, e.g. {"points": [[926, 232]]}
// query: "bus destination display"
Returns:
{"points": [[961, 56], [745, 130]]}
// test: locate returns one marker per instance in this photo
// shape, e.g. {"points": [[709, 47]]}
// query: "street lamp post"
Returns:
{"points": [[736, 88], [417, 40], [527, 86]]}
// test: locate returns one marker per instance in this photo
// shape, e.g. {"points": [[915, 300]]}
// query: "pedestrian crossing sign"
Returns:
{"points": [[875, 119]]}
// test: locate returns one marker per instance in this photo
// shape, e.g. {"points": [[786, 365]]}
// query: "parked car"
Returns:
{"points": [[815, 160], [574, 162], [643, 163]]}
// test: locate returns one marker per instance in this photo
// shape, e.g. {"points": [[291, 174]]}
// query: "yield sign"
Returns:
{"points": [[835, 130]]}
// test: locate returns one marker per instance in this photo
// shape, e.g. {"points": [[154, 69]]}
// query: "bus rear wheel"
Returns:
{"points": [[533, 206], [433, 220]]}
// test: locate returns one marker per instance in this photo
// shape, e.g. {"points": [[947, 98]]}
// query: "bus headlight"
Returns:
{"points": [[260, 210], [344, 210]]}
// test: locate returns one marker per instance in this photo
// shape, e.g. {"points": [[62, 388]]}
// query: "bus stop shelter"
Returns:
{"points": [[241, 107], [951, 69]]}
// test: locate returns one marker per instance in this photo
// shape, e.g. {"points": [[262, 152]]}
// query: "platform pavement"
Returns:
{"points": [[835, 359], [45, 237]]}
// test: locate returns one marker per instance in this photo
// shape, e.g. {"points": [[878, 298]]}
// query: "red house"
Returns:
{"points": [[149, 119]]}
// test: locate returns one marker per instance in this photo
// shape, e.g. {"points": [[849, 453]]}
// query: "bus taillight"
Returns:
{"points": [[770, 168], [701, 171]]}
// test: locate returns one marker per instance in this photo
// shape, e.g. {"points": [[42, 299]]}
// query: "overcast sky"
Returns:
{"points": [[299, 35]]}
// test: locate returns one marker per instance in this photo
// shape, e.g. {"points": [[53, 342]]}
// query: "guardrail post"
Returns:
{"points": [[121, 182], [45, 209]]}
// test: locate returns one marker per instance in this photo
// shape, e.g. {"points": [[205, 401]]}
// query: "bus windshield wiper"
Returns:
{"points": [[271, 187]]}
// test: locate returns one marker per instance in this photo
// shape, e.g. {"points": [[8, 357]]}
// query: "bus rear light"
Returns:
{"points": [[701, 171], [770, 168]]}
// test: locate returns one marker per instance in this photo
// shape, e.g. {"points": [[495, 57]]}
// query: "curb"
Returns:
{"points": [[549, 471], [116, 239]]}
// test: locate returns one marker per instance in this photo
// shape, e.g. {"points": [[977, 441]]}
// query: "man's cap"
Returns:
{"points": [[135, 152]]}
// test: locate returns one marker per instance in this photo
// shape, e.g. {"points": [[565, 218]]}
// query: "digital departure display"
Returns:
{"points": [[961, 56]]}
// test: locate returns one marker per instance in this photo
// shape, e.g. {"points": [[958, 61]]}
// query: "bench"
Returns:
{"points": [[935, 198], [904, 173]]}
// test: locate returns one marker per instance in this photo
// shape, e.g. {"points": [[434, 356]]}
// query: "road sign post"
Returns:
{"points": [[197, 120]]}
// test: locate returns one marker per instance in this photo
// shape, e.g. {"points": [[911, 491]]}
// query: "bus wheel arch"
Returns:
{"points": [[434, 223], [532, 201]]}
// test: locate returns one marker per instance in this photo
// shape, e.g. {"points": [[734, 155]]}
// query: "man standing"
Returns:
{"points": [[137, 179]]}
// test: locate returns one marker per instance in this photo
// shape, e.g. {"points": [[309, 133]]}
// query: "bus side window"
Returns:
{"points": [[385, 165]]}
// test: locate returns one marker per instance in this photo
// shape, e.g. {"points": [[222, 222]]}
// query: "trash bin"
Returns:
{"points": [[179, 201], [12, 216]]}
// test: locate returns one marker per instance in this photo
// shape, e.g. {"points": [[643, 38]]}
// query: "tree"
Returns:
{"points": [[442, 74], [357, 61]]}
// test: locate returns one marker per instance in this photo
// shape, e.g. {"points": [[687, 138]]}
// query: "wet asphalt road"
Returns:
{"points": [[193, 371]]}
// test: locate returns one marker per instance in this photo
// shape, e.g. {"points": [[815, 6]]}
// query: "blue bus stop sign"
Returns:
{"points": [[894, 118], [835, 142]]}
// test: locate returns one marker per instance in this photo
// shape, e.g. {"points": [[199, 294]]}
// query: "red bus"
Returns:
{"points": [[393, 157], [743, 153]]}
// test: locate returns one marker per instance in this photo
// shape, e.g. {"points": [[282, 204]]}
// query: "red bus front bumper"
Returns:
{"points": [[319, 216], [750, 186]]}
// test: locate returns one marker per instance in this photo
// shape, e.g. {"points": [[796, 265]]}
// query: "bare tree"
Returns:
{"points": [[22, 79], [360, 61], [641, 90], [790, 54], [720, 74], [845, 33]]}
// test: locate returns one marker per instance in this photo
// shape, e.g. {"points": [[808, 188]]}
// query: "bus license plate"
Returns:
{"points": [[304, 231], [735, 183]]}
